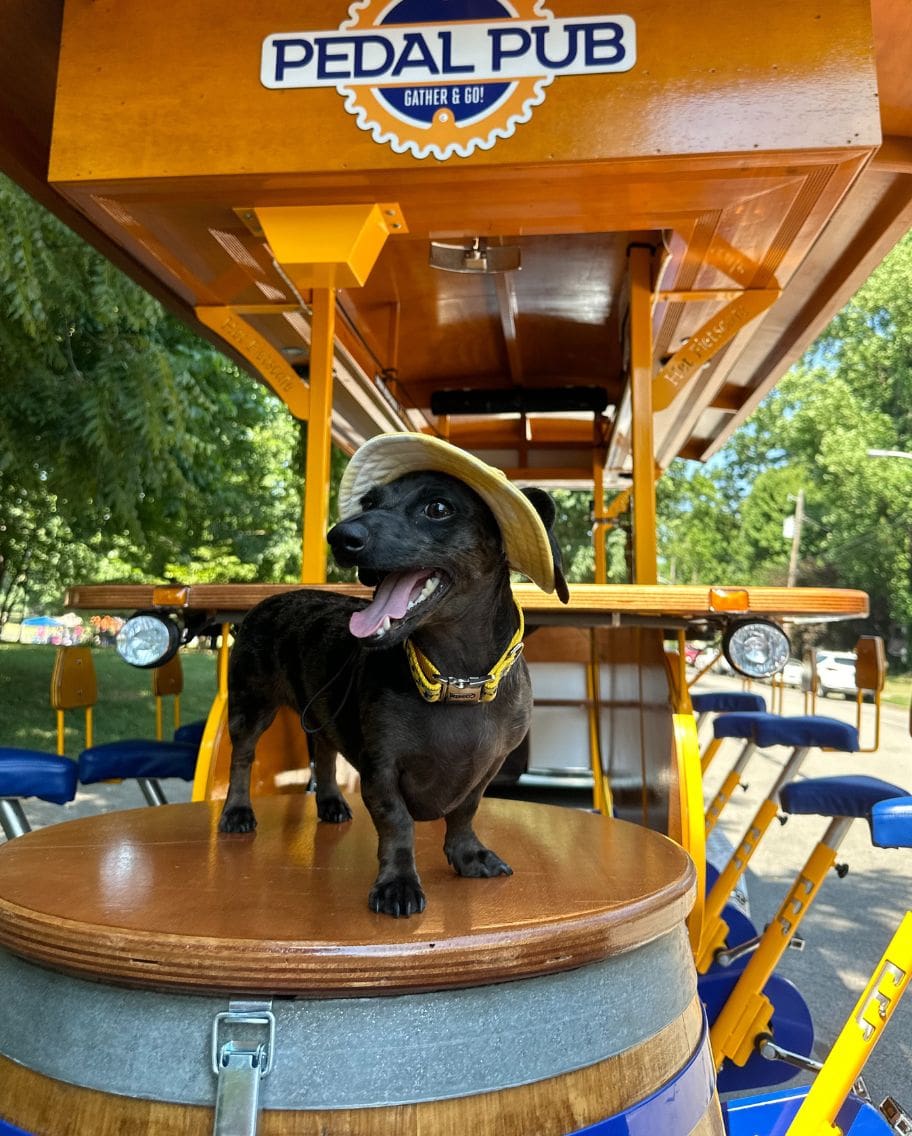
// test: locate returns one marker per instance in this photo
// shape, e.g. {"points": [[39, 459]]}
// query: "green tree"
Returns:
{"points": [[851, 392], [128, 446]]}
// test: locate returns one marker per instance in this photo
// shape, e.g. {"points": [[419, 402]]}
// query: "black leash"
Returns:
{"points": [[310, 730]]}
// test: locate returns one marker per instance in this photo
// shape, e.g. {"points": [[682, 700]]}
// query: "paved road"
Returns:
{"points": [[852, 919]]}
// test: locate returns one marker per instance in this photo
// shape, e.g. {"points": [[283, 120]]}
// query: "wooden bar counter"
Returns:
{"points": [[590, 604], [543, 1001]]}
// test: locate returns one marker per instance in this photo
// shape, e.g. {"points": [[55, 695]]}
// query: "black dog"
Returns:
{"points": [[435, 551]]}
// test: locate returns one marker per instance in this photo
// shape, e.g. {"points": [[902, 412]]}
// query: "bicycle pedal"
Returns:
{"points": [[896, 1116]]}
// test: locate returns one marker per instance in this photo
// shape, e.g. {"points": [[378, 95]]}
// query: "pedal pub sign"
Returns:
{"points": [[442, 78]]}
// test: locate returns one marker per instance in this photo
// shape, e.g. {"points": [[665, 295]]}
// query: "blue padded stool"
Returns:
{"points": [[28, 773], [801, 733], [191, 733], [852, 796], [747, 1021], [891, 823], [890, 818], [725, 701], [143, 759]]}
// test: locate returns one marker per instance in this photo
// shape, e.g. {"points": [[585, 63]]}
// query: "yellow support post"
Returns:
{"points": [[711, 750], [747, 1012], [218, 714], [61, 734], [715, 929], [690, 788], [861, 1033], [598, 518], [645, 556], [721, 799], [319, 438], [729, 785]]}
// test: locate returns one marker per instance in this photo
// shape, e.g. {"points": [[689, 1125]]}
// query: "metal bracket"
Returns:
{"points": [[241, 1067], [896, 1116]]}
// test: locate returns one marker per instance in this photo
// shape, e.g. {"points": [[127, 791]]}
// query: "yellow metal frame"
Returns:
{"points": [[719, 330], [160, 714], [319, 439], [747, 1011], [218, 713], [602, 797], [721, 799], [230, 325], [325, 246], [710, 753], [715, 929], [645, 555], [690, 788], [862, 1031]]}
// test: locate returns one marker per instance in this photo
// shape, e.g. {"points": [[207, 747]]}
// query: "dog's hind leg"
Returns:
{"points": [[464, 851], [245, 728], [397, 889], [331, 805]]}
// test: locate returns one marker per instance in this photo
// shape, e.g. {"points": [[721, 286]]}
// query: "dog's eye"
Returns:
{"points": [[367, 503], [437, 510]]}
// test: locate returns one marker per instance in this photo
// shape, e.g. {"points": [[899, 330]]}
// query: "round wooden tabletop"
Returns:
{"points": [[157, 897]]}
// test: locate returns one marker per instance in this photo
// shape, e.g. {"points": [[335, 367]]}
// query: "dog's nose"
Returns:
{"points": [[348, 538]]}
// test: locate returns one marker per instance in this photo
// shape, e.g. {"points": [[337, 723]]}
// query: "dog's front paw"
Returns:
{"points": [[239, 818], [334, 810], [478, 862], [397, 897]]}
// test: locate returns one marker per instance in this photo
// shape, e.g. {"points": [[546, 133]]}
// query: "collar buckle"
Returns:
{"points": [[464, 689]]}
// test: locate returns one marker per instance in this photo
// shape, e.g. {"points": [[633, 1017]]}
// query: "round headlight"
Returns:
{"points": [[147, 639], [756, 648]]}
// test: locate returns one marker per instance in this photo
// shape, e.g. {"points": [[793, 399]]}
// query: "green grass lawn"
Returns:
{"points": [[125, 709], [898, 690]]}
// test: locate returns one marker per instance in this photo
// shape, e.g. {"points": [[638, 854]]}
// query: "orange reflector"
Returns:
{"points": [[729, 599], [173, 595]]}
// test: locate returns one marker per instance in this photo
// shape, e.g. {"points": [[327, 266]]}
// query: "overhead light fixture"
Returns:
{"points": [[479, 257], [148, 639], [756, 648]]}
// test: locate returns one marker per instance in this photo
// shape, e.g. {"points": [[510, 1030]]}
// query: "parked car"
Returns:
{"points": [[792, 674], [836, 673]]}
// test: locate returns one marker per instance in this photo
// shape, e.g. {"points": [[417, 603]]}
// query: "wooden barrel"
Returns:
{"points": [[545, 1001]]}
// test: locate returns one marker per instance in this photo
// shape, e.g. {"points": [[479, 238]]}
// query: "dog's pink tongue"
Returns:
{"points": [[390, 599]]}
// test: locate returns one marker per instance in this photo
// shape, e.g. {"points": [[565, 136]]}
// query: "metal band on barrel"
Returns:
{"points": [[348, 1052]]}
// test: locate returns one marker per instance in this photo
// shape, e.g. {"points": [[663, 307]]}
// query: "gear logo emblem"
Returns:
{"points": [[442, 78]]}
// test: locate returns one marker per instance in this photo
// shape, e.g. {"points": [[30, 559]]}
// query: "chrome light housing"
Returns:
{"points": [[148, 639], [756, 648]]}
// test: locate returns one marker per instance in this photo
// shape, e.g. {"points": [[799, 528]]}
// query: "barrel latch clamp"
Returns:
{"points": [[243, 1046]]}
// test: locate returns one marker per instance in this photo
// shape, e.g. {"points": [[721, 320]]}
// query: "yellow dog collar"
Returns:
{"points": [[435, 687]]}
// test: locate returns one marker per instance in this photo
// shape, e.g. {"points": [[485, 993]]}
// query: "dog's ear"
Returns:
{"points": [[543, 504]]}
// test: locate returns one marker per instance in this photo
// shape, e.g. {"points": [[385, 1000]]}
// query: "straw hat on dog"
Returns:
{"points": [[387, 456]]}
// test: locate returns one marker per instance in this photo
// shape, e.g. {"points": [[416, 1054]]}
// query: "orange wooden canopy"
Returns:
{"points": [[764, 153]]}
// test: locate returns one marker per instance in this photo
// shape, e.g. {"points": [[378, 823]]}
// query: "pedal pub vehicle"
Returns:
{"points": [[577, 243]]}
